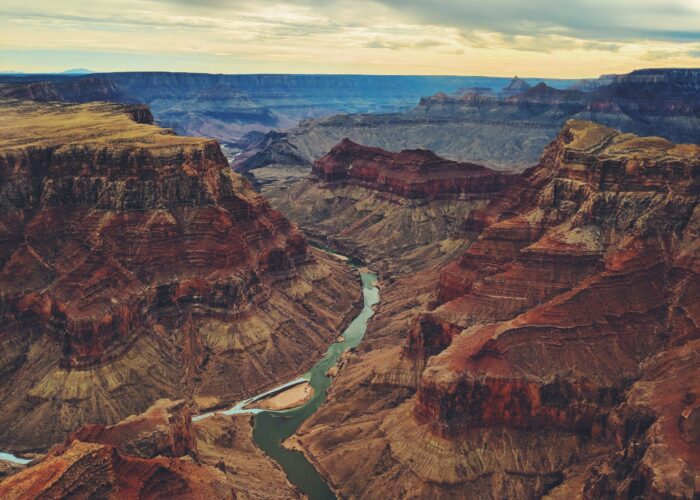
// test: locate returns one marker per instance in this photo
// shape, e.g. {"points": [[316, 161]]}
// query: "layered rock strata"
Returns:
{"points": [[135, 266], [558, 352], [410, 174], [398, 211]]}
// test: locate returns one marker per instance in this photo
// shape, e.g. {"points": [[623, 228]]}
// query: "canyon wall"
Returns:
{"points": [[557, 353], [135, 266], [396, 211]]}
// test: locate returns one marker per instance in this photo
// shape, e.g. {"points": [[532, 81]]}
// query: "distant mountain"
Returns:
{"points": [[516, 86], [68, 72], [76, 71]]}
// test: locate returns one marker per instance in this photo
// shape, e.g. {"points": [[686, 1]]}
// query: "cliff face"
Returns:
{"points": [[135, 266], [395, 210], [557, 354], [410, 173]]}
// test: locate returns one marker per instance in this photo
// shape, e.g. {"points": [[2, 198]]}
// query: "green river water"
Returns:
{"points": [[271, 428]]}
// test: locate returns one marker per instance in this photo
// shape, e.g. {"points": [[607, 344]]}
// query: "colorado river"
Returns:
{"points": [[271, 428]]}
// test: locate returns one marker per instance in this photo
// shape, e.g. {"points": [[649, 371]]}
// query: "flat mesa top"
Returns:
{"points": [[31, 124], [601, 140]]}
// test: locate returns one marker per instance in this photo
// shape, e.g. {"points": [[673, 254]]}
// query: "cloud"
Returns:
{"points": [[600, 20], [403, 43], [620, 20], [581, 37]]}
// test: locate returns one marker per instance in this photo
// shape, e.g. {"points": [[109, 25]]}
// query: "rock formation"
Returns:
{"points": [[558, 354], [395, 210], [411, 173], [135, 266], [516, 86], [158, 454]]}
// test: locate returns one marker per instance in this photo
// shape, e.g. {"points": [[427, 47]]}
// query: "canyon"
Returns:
{"points": [[555, 355], [396, 211], [136, 266], [538, 333], [502, 128]]}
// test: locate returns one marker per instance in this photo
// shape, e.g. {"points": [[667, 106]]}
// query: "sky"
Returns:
{"points": [[544, 38]]}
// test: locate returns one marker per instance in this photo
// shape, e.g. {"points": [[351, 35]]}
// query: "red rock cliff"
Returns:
{"points": [[411, 173], [566, 292]]}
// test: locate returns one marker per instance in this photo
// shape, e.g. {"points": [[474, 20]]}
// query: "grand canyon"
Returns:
{"points": [[314, 285]]}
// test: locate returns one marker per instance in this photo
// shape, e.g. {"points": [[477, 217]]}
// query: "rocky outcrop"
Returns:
{"points": [[164, 429], [516, 86], [557, 355], [270, 148], [557, 269], [411, 173], [64, 474], [213, 458], [136, 266]]}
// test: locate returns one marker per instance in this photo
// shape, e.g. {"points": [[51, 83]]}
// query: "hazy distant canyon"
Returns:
{"points": [[502, 128], [233, 108]]}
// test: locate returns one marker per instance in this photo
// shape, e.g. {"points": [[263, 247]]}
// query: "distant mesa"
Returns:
{"points": [[77, 71], [411, 173]]}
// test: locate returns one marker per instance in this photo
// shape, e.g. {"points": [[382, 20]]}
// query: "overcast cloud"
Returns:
{"points": [[498, 37]]}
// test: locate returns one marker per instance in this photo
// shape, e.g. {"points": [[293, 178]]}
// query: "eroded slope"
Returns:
{"points": [[398, 211]]}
